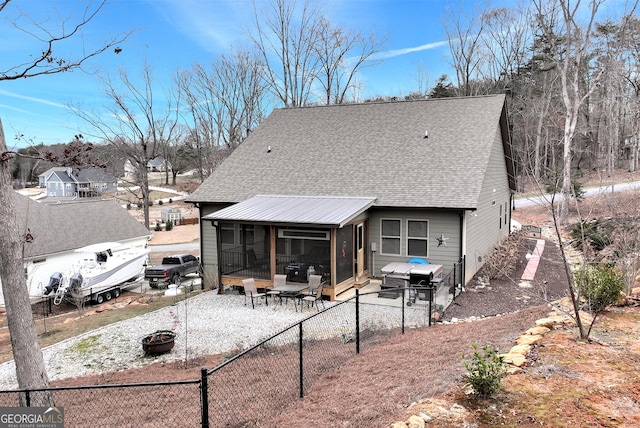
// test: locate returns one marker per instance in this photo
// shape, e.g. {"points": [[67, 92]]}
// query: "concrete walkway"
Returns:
{"points": [[534, 260]]}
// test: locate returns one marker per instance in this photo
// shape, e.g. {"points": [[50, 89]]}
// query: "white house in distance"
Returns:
{"points": [[347, 189]]}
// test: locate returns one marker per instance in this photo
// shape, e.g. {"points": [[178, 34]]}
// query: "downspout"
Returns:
{"points": [[463, 246]]}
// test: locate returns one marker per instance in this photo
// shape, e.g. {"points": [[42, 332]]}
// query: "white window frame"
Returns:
{"points": [[313, 234], [417, 238], [398, 237]]}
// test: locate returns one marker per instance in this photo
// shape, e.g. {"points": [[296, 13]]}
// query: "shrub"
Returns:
{"points": [[170, 200], [593, 232], [158, 228], [485, 371], [169, 225], [160, 202], [128, 206], [600, 285]]}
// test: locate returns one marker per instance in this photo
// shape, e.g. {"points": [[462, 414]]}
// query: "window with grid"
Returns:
{"points": [[417, 238], [390, 236]]}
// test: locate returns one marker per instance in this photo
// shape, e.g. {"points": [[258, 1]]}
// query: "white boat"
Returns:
{"points": [[96, 272]]}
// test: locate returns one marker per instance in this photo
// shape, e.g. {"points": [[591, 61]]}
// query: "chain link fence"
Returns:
{"points": [[250, 385]]}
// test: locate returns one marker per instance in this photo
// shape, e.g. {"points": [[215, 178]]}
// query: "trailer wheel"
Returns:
{"points": [[116, 292], [107, 295], [99, 298]]}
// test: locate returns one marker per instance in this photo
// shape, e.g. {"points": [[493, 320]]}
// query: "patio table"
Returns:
{"points": [[290, 290]]}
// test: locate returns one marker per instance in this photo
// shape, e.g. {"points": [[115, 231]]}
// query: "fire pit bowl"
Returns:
{"points": [[159, 342]]}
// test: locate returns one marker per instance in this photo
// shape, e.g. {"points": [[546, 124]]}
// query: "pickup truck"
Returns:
{"points": [[172, 269]]}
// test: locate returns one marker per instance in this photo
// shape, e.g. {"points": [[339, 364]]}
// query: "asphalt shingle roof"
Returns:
{"points": [[372, 149], [67, 226]]}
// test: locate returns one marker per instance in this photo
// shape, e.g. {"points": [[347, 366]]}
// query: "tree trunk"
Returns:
{"points": [[30, 368]]}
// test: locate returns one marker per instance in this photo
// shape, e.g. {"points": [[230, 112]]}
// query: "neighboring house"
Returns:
{"points": [[344, 190], [77, 182], [158, 164], [129, 169], [171, 213], [57, 230]]}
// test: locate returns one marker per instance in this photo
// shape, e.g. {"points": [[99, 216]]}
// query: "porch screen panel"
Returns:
{"points": [[344, 256]]}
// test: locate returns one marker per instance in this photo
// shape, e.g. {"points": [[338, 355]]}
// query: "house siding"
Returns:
{"points": [[488, 227], [440, 222], [208, 246]]}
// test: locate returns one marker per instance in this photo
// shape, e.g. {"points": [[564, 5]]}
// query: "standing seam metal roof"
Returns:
{"points": [[314, 210]]}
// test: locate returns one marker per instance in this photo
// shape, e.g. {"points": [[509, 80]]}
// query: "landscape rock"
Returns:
{"points": [[528, 339], [415, 421], [517, 359], [539, 330]]}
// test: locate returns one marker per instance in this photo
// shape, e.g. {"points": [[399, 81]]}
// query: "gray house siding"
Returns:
{"points": [[489, 226], [446, 223], [60, 188], [208, 245]]}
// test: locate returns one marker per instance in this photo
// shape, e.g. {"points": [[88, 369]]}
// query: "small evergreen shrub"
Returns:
{"points": [[158, 228], [485, 371], [160, 202], [592, 232], [170, 200], [169, 225], [600, 286]]}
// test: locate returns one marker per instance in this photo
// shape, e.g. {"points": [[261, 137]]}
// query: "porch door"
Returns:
{"points": [[359, 251]]}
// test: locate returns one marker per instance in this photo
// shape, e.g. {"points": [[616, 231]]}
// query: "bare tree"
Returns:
{"points": [[506, 41], [225, 101], [465, 33], [285, 39], [341, 55], [30, 367], [302, 51], [137, 125], [570, 43]]}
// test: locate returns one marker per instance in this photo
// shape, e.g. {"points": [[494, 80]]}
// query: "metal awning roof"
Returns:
{"points": [[327, 211]]}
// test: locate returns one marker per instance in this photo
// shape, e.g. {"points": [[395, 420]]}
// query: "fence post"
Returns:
{"points": [[431, 296], [357, 321], [404, 289], [204, 397], [300, 359]]}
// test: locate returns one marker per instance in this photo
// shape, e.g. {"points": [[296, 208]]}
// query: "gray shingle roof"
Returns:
{"points": [[67, 226], [98, 175], [371, 149]]}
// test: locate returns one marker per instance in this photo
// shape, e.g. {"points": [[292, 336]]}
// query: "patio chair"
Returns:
{"points": [[313, 296], [315, 281], [251, 291], [278, 280]]}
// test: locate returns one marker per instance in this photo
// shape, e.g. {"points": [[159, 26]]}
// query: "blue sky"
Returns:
{"points": [[173, 34]]}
